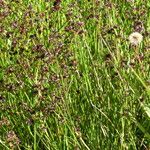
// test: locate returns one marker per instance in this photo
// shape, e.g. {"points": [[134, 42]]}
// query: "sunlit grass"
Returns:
{"points": [[69, 77]]}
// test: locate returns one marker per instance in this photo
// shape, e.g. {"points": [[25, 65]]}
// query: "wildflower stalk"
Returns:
{"points": [[137, 55]]}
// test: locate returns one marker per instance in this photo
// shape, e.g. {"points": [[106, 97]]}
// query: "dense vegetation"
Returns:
{"points": [[69, 77]]}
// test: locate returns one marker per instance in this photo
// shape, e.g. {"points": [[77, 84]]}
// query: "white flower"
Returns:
{"points": [[135, 38]]}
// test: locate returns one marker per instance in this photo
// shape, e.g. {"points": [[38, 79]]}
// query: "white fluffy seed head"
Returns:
{"points": [[131, 1], [135, 38]]}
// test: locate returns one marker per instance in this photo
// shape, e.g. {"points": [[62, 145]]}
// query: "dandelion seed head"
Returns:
{"points": [[135, 38], [131, 1]]}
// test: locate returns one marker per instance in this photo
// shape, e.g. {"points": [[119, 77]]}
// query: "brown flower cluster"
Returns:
{"points": [[12, 139]]}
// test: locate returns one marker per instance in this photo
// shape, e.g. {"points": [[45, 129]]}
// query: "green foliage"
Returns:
{"points": [[70, 79]]}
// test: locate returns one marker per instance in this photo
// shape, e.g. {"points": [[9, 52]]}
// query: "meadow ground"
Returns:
{"points": [[70, 79]]}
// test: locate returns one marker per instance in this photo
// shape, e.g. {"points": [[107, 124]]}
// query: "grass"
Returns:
{"points": [[70, 79]]}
